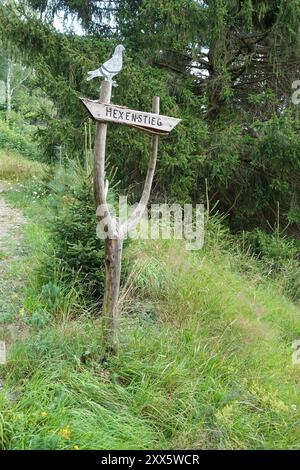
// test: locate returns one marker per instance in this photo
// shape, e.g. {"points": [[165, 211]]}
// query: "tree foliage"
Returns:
{"points": [[224, 67]]}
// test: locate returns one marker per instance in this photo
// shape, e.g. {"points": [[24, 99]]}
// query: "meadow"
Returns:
{"points": [[205, 356]]}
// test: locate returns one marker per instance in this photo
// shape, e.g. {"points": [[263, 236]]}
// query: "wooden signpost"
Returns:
{"points": [[149, 122], [103, 112]]}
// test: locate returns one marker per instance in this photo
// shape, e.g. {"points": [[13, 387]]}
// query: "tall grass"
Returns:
{"points": [[205, 359], [205, 362]]}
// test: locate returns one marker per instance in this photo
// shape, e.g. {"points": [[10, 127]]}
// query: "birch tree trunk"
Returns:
{"points": [[9, 87]]}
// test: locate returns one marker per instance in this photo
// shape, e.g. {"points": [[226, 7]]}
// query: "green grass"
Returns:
{"points": [[16, 167], [205, 359]]}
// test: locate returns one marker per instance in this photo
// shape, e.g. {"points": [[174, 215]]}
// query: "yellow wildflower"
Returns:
{"points": [[65, 432], [268, 398], [279, 406], [225, 414]]}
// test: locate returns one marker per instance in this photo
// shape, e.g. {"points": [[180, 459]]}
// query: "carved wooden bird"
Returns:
{"points": [[111, 67]]}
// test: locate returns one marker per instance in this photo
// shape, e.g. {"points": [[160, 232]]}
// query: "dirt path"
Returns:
{"points": [[10, 221], [11, 251]]}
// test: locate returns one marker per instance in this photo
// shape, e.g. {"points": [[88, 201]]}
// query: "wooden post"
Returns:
{"points": [[116, 233], [100, 144], [113, 246], [113, 263]]}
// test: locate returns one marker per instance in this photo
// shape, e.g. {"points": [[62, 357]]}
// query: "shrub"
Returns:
{"points": [[12, 138], [279, 258], [76, 255]]}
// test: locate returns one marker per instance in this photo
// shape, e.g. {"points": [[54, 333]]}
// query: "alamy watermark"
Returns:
{"points": [[296, 344], [160, 221], [296, 94], [296, 353]]}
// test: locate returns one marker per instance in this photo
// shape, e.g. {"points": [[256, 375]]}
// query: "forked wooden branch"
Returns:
{"points": [[115, 234], [101, 185], [138, 212]]}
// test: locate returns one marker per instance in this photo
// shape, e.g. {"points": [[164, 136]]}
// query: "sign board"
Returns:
{"points": [[149, 122]]}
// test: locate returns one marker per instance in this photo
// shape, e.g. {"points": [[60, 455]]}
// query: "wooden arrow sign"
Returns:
{"points": [[149, 122]]}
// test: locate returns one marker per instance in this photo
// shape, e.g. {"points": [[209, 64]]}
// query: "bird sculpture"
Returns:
{"points": [[111, 67]]}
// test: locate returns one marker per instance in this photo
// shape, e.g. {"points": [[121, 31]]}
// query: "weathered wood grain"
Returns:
{"points": [[149, 122]]}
